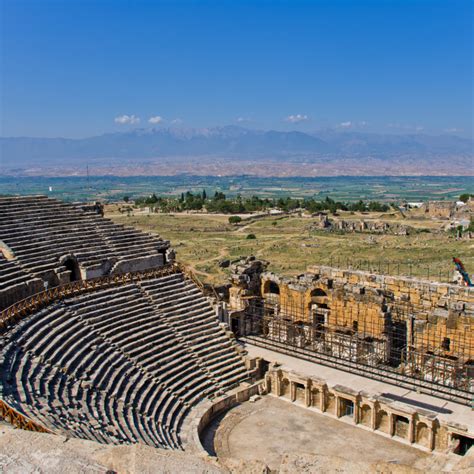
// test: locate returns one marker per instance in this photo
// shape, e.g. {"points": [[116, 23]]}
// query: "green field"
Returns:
{"points": [[350, 188]]}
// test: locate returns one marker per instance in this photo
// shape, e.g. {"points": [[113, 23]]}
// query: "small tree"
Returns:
{"points": [[235, 219], [465, 197], [126, 198]]}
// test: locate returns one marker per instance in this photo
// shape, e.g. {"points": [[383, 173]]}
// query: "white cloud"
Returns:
{"points": [[176, 121], [297, 118], [407, 127], [350, 124], [156, 119], [244, 120], [127, 119], [453, 130]]}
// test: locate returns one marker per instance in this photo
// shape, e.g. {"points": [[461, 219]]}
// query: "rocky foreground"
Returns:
{"points": [[25, 452]]}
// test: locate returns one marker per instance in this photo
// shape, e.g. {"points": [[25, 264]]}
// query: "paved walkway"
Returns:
{"points": [[447, 411]]}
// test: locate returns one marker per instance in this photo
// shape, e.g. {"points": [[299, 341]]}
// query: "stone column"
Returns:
{"points": [[307, 393], [391, 425], [292, 391], [411, 429], [431, 439], [268, 383], [373, 417], [338, 405], [356, 410], [277, 379], [322, 399]]}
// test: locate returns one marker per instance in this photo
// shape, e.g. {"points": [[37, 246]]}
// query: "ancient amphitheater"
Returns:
{"points": [[112, 345]]}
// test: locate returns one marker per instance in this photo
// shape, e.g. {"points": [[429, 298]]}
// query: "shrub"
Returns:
{"points": [[251, 236], [234, 219]]}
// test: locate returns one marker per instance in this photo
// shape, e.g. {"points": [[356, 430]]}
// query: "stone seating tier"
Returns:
{"points": [[41, 231], [15, 283], [123, 364]]}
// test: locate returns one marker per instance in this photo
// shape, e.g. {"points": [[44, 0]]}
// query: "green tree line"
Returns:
{"points": [[234, 205]]}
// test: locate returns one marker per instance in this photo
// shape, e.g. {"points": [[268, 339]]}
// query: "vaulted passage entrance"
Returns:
{"points": [[71, 264]]}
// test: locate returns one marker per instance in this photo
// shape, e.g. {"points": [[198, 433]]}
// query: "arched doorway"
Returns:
{"points": [[71, 264], [365, 415], [271, 292], [271, 287], [319, 311]]}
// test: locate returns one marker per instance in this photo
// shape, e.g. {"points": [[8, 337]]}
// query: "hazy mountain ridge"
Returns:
{"points": [[235, 141], [231, 149]]}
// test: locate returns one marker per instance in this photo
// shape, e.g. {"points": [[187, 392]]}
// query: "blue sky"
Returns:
{"points": [[80, 68]]}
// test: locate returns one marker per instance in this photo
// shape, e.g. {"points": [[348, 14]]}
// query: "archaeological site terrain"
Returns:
{"points": [[142, 342]]}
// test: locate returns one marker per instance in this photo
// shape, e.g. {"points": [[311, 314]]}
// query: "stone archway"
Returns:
{"points": [[383, 421], [271, 292], [271, 286], [72, 265], [365, 415], [318, 309], [422, 434], [401, 426]]}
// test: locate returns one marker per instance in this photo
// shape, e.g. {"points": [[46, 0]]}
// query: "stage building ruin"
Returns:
{"points": [[401, 329]]}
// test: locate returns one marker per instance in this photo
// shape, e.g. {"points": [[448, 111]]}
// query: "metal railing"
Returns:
{"points": [[43, 298], [374, 373], [23, 308], [19, 420]]}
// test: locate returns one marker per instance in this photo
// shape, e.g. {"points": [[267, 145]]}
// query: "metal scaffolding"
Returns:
{"points": [[389, 348]]}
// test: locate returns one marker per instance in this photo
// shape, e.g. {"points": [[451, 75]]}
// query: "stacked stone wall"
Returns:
{"points": [[439, 317]]}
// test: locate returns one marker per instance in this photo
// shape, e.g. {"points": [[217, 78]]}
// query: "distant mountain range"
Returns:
{"points": [[232, 142]]}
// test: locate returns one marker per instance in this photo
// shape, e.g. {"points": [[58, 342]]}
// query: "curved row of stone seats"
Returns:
{"points": [[15, 283], [187, 311], [142, 334], [40, 231], [11, 273], [124, 364], [55, 408], [86, 243], [70, 357]]}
